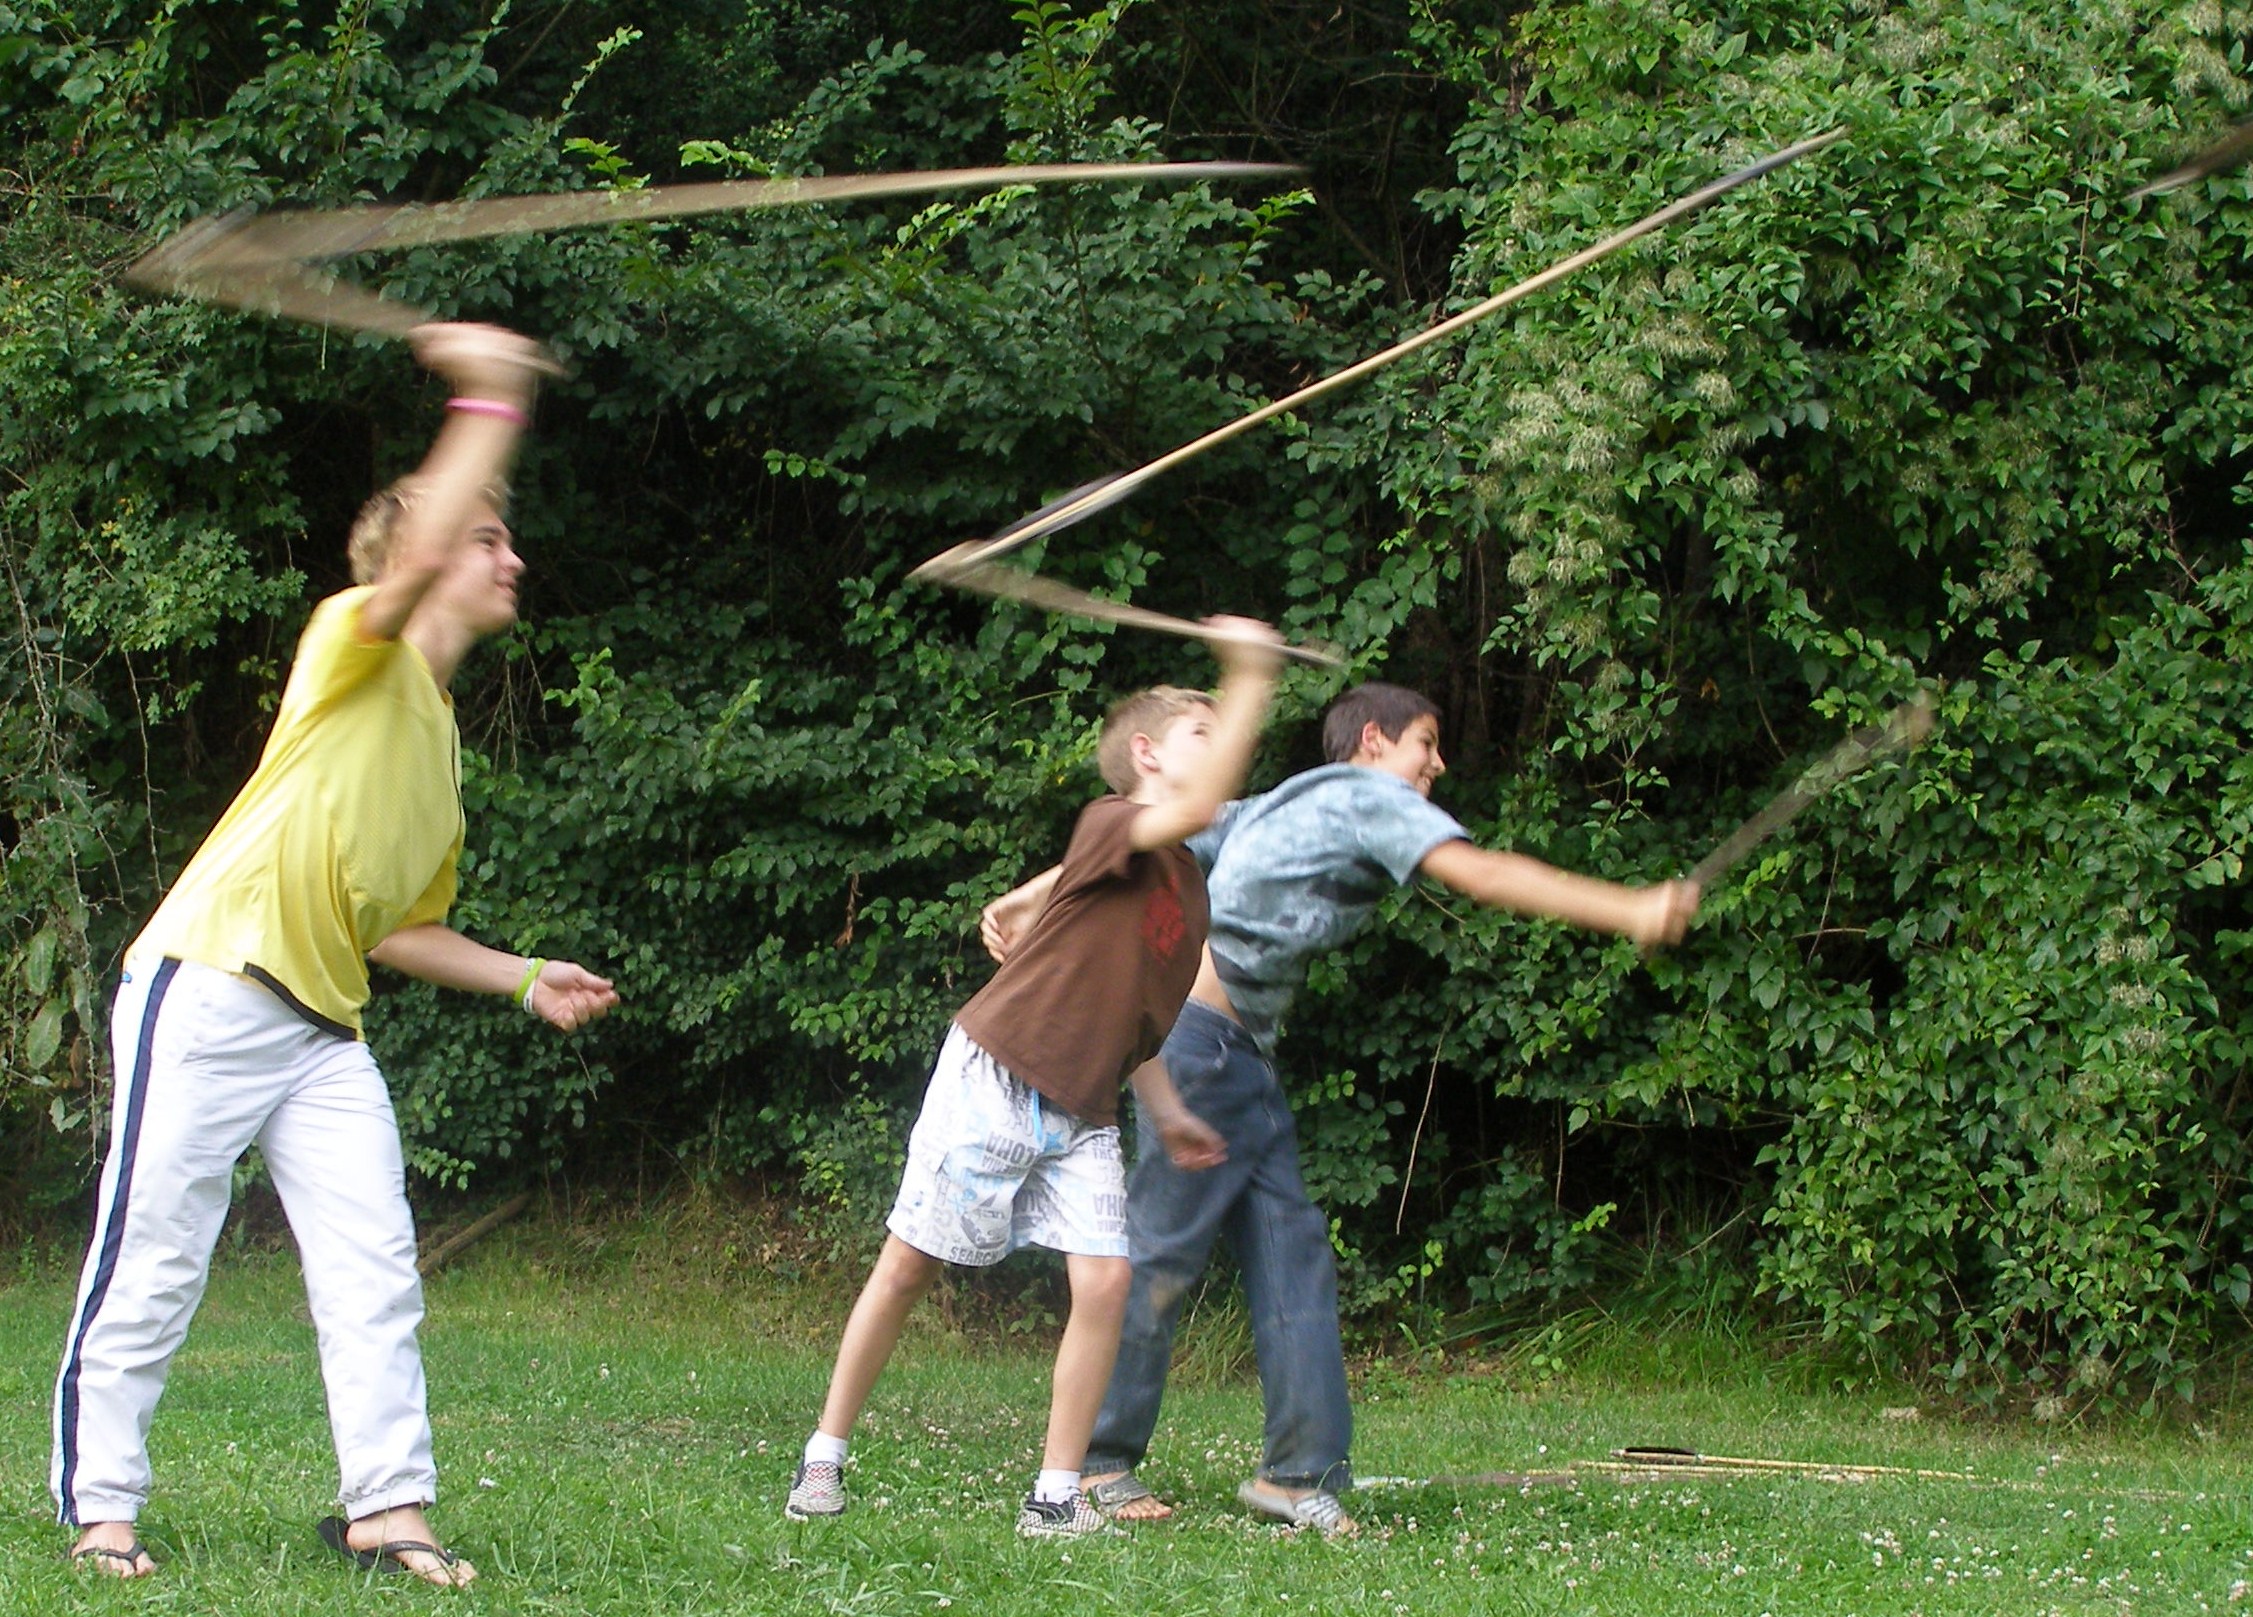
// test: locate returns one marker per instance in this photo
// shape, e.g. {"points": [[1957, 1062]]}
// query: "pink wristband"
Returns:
{"points": [[493, 407]]}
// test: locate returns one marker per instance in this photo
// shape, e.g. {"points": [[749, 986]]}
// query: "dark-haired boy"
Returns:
{"points": [[1018, 1140], [238, 1020], [1292, 874]]}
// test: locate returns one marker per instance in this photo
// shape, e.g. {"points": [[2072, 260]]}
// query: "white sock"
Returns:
{"points": [[1056, 1486], [822, 1447]]}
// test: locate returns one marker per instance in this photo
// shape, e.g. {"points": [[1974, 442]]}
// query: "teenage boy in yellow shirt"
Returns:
{"points": [[238, 1020]]}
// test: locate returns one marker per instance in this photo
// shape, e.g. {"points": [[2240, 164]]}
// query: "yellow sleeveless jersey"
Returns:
{"points": [[349, 830]]}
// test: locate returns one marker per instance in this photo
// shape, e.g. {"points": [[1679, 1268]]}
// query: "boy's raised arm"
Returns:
{"points": [[493, 373], [1512, 881], [1249, 659]]}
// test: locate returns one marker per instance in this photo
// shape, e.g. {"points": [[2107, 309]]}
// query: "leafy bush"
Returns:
{"points": [[1929, 409]]}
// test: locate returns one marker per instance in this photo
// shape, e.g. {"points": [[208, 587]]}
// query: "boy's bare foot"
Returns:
{"points": [[1121, 1496], [404, 1534], [111, 1547]]}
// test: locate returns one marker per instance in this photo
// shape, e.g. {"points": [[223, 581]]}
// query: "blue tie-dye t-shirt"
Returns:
{"points": [[1299, 870]]}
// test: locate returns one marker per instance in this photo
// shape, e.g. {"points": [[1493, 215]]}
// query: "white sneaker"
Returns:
{"points": [[816, 1491], [1060, 1518]]}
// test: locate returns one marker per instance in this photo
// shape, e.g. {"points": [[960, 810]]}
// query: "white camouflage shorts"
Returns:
{"points": [[993, 1166]]}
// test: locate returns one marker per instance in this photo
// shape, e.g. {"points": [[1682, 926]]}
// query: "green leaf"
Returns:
{"points": [[43, 1037], [39, 960]]}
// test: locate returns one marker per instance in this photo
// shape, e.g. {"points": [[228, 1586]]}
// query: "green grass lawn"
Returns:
{"points": [[617, 1415]]}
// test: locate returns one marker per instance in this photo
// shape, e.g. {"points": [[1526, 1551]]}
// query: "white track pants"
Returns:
{"points": [[208, 1063]]}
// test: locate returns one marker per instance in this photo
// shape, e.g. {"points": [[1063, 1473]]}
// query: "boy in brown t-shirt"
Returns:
{"points": [[1018, 1140]]}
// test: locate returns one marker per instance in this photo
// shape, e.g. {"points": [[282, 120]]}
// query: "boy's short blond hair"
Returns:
{"points": [[1145, 713], [369, 547]]}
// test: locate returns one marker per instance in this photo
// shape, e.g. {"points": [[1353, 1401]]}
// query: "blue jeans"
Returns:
{"points": [[1258, 1200]]}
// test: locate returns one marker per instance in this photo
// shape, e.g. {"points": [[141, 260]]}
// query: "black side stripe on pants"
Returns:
{"points": [[113, 1235], [280, 990]]}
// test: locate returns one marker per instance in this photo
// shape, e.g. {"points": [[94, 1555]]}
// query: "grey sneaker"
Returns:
{"points": [[816, 1491], [1060, 1518], [1318, 1509]]}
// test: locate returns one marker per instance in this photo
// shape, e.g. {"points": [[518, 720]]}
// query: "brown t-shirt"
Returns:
{"points": [[1092, 990]]}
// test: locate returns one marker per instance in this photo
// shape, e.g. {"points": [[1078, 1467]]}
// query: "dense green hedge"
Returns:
{"points": [[1953, 1072]]}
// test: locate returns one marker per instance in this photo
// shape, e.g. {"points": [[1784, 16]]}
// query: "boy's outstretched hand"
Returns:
{"points": [[1668, 910], [569, 996]]}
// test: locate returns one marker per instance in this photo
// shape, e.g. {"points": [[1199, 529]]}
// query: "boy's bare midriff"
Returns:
{"points": [[1208, 990]]}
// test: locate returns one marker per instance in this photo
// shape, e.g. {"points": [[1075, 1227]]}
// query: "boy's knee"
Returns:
{"points": [[1100, 1283], [904, 1271], [365, 1296], [1165, 1288], [1299, 1238]]}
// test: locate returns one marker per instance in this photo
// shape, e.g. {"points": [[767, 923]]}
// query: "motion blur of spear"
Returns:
{"points": [[967, 560], [2228, 152], [276, 263]]}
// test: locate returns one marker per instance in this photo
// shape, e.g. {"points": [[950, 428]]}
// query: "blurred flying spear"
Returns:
{"points": [[268, 263], [1084, 502], [2233, 149]]}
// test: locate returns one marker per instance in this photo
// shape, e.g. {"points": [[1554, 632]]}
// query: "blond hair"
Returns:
{"points": [[369, 547], [1145, 713]]}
